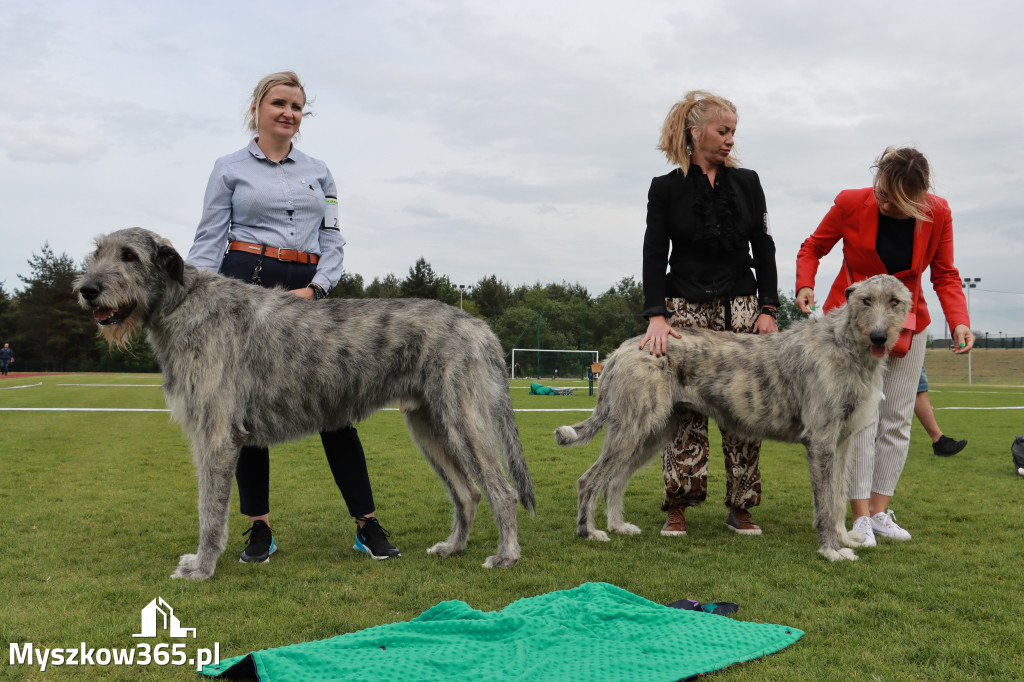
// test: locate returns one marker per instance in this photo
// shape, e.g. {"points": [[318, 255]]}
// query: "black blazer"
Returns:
{"points": [[679, 264]]}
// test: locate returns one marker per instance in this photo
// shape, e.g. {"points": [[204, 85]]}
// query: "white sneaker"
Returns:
{"points": [[862, 525], [885, 525]]}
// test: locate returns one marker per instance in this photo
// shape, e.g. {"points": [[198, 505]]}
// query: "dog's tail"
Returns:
{"points": [[512, 447], [584, 432]]}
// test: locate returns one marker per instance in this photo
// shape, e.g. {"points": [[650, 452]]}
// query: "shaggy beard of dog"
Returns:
{"points": [[122, 334]]}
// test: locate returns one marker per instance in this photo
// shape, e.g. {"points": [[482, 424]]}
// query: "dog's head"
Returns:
{"points": [[879, 306], [125, 278]]}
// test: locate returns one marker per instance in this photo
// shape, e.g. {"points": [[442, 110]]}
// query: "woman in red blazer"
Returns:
{"points": [[895, 227]]}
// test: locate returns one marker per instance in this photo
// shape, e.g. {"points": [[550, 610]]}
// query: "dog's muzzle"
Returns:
{"points": [[104, 316], [878, 340]]}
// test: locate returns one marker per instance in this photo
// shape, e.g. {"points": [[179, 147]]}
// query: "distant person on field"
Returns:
{"points": [[942, 445], [6, 358]]}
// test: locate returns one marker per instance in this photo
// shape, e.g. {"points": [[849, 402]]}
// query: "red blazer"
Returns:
{"points": [[854, 219]]}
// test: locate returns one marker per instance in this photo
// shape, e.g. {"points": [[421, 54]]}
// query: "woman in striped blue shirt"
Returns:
{"points": [[270, 217]]}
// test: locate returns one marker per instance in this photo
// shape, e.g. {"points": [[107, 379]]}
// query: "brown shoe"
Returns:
{"points": [[739, 520], [676, 522]]}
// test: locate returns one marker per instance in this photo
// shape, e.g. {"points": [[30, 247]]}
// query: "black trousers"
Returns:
{"points": [[343, 448]]}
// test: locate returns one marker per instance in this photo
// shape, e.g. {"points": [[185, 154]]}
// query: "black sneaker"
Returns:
{"points": [[373, 539], [261, 544], [947, 447]]}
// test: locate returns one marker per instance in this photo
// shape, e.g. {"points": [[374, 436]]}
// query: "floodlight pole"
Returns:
{"points": [[969, 284]]}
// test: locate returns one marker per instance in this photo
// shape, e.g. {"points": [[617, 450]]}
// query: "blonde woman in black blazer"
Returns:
{"points": [[709, 262]]}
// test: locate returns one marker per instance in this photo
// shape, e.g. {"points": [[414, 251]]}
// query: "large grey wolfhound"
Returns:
{"points": [[243, 365], [816, 383]]}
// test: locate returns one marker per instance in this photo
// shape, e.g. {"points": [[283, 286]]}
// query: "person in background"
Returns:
{"points": [[270, 218], [708, 262], [895, 227], [6, 358], [942, 445]]}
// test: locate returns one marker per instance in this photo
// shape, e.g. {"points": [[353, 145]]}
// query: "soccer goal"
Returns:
{"points": [[534, 363]]}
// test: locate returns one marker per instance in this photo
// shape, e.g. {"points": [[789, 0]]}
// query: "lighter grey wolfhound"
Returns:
{"points": [[816, 383], [243, 365]]}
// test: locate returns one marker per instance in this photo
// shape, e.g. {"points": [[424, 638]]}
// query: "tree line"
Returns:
{"points": [[49, 331]]}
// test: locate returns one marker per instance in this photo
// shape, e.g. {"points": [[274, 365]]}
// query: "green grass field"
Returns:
{"points": [[97, 506]]}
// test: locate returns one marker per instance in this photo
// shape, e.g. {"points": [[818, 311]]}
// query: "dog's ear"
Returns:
{"points": [[850, 289], [168, 259]]}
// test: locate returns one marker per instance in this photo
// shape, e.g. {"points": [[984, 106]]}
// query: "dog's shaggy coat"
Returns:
{"points": [[243, 365], [816, 383]]}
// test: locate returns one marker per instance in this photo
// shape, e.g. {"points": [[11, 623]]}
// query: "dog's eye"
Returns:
{"points": [[128, 256]]}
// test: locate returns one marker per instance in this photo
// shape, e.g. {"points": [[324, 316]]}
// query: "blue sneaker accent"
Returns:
{"points": [[373, 539], [360, 546]]}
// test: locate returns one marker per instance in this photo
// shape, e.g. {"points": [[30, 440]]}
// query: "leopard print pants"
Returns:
{"points": [[685, 460]]}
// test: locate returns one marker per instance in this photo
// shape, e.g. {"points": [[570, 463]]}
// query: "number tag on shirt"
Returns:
{"points": [[331, 217]]}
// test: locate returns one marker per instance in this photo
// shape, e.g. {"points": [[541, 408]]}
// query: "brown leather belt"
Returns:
{"points": [[277, 254]]}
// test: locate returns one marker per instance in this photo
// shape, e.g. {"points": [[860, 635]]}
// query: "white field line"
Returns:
{"points": [[386, 409], [134, 409], [117, 385], [1007, 407], [82, 409]]}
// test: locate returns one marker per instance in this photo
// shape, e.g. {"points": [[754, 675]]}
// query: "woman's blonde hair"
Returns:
{"points": [[904, 175], [252, 112], [697, 109]]}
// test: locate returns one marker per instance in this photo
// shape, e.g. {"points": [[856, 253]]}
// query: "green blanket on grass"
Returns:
{"points": [[540, 389], [593, 632]]}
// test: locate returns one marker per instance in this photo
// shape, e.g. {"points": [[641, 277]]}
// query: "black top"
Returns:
{"points": [[894, 243], [712, 232]]}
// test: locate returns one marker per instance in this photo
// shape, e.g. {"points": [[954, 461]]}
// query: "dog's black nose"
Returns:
{"points": [[89, 292], [878, 338]]}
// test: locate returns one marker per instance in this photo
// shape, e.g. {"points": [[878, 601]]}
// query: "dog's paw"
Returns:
{"points": [[598, 535], [566, 435], [625, 529], [188, 569], [497, 561], [838, 554], [443, 549], [187, 561], [852, 538]]}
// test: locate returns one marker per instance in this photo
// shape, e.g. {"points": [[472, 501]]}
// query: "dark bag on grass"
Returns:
{"points": [[1017, 450]]}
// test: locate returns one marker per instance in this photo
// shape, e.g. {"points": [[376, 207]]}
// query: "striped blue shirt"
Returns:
{"points": [[282, 204]]}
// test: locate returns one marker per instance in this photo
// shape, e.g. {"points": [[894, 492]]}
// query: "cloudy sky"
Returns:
{"points": [[512, 138]]}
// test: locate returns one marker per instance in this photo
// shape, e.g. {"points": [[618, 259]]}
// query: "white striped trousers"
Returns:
{"points": [[880, 449]]}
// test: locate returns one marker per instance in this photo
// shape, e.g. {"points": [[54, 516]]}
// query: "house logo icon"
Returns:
{"points": [[159, 612]]}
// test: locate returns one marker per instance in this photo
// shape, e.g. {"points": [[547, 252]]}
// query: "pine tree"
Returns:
{"points": [[421, 282], [53, 330]]}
